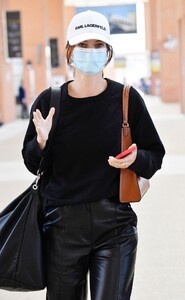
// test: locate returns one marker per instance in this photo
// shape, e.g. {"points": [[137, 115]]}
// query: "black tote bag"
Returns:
{"points": [[21, 237], [21, 244]]}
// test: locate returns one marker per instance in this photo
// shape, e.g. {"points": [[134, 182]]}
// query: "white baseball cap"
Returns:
{"points": [[88, 25]]}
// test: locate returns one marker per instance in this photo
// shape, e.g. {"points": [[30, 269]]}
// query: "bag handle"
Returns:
{"points": [[55, 101], [126, 135], [125, 102]]}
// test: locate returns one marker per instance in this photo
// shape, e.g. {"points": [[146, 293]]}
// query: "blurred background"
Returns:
{"points": [[148, 40], [149, 53]]}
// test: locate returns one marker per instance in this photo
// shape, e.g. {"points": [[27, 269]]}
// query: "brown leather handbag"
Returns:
{"points": [[132, 187]]}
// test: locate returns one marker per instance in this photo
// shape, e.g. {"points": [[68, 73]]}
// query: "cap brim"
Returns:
{"points": [[89, 36]]}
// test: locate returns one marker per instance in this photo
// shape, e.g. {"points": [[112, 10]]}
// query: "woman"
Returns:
{"points": [[87, 228]]}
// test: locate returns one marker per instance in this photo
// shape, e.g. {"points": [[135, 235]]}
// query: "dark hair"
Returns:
{"points": [[69, 50]]}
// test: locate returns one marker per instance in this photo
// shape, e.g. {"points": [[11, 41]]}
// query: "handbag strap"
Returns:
{"points": [[125, 102], [55, 101], [126, 135]]}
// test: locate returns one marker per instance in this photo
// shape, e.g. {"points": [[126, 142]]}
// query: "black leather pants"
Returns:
{"points": [[99, 238]]}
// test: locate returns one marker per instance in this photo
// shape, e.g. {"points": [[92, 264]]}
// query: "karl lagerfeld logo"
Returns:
{"points": [[90, 25]]}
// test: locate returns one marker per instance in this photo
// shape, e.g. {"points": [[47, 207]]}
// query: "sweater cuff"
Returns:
{"points": [[138, 165], [34, 149]]}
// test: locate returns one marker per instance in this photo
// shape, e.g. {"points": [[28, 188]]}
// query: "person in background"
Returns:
{"points": [[1, 123], [22, 100], [145, 86], [86, 227]]}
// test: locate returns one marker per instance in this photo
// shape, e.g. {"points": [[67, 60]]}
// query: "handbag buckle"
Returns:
{"points": [[36, 185], [125, 124]]}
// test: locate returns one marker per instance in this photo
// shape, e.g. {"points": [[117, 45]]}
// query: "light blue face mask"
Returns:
{"points": [[89, 61]]}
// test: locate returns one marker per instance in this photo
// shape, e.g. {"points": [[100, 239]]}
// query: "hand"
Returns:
{"points": [[123, 163], [43, 126]]}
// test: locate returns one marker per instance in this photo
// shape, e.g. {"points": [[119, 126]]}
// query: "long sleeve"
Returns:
{"points": [[144, 134], [31, 152]]}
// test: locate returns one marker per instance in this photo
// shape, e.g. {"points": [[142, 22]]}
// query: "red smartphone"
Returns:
{"points": [[126, 152]]}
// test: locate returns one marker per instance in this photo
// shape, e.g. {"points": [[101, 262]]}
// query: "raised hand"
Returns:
{"points": [[43, 126]]}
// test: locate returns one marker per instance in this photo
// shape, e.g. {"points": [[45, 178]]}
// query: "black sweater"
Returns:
{"points": [[88, 132]]}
